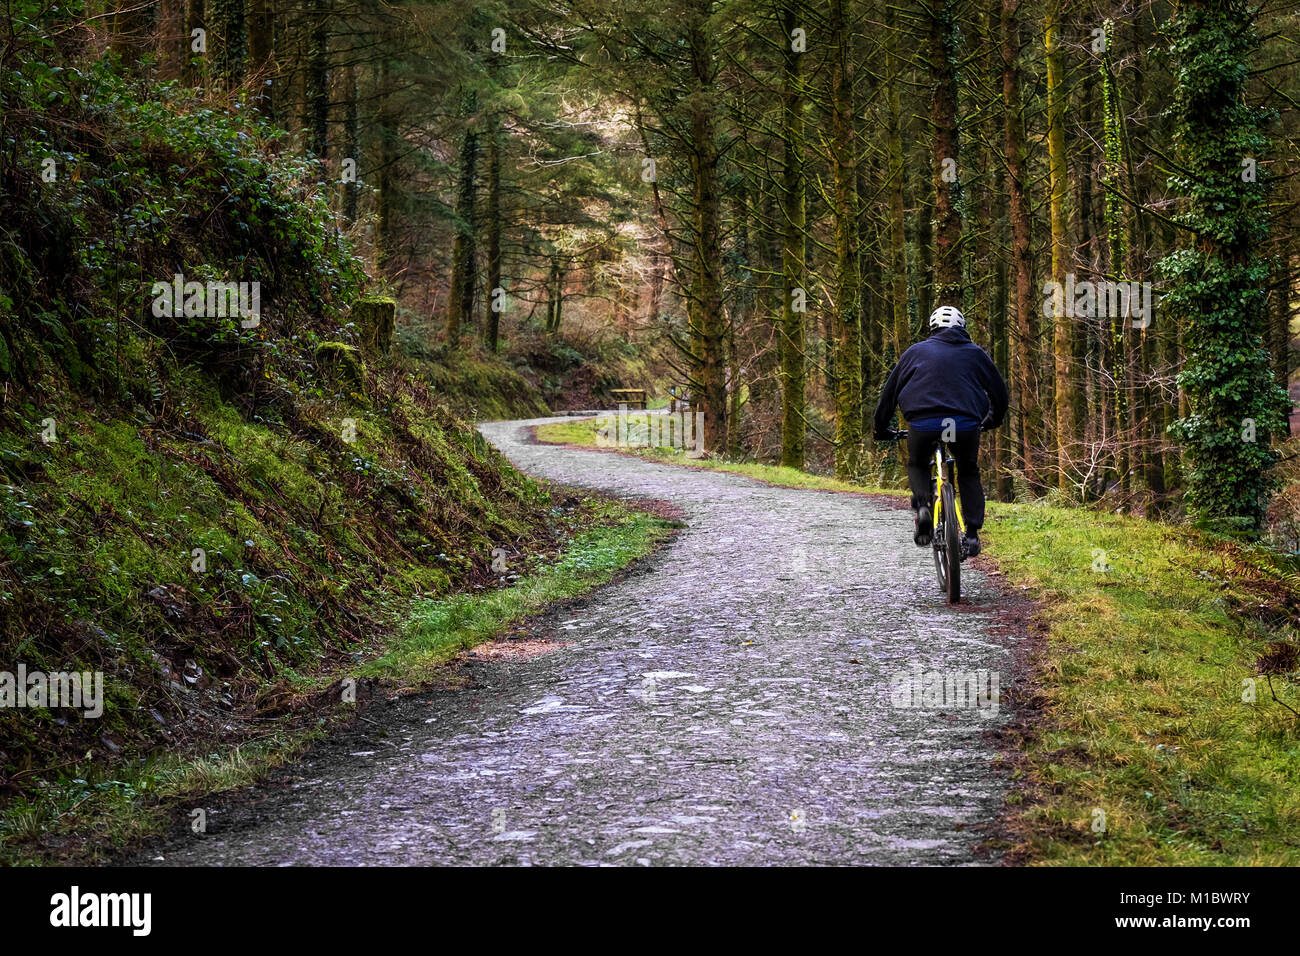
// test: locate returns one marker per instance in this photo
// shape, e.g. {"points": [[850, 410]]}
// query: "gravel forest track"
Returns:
{"points": [[733, 700]]}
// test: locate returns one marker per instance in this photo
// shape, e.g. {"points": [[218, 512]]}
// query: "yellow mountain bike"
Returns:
{"points": [[949, 537]]}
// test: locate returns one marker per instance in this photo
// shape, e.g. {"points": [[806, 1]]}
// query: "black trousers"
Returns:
{"points": [[966, 451]]}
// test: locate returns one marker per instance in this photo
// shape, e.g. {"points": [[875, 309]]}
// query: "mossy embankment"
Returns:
{"points": [[225, 513], [1151, 735], [534, 372], [476, 386]]}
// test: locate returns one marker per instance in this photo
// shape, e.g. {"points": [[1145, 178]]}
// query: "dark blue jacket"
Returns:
{"points": [[944, 375]]}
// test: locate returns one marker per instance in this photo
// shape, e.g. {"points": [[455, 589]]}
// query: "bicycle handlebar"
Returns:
{"points": [[899, 434]]}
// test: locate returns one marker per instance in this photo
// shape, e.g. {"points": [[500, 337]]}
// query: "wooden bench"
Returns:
{"points": [[632, 397]]}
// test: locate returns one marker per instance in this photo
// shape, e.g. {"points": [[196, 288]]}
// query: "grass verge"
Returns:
{"points": [[1157, 740], [438, 630], [582, 433], [1160, 742], [91, 811]]}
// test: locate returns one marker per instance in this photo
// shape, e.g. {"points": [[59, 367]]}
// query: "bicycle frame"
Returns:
{"points": [[948, 540], [943, 462]]}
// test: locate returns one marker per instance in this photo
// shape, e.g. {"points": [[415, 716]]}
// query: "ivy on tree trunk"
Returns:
{"points": [[1218, 280]]}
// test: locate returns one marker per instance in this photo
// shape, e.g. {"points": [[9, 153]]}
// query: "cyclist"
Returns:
{"points": [[946, 386]]}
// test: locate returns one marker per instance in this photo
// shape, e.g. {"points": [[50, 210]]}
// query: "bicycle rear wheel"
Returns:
{"points": [[937, 543], [951, 545]]}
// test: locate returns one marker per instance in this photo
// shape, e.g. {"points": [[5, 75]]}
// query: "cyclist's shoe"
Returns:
{"points": [[972, 543], [924, 528]]}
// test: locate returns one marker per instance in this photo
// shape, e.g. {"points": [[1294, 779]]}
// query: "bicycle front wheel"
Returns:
{"points": [[951, 545]]}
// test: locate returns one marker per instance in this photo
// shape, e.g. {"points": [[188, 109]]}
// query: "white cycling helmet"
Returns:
{"points": [[946, 317]]}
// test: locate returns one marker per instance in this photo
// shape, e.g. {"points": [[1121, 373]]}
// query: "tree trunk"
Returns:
{"points": [[317, 84], [875, 296], [708, 323], [923, 280], [464, 270], [794, 295], [351, 148], [261, 34], [848, 329], [230, 58], [897, 260], [555, 295], [173, 43], [947, 239], [1058, 179], [1237, 406], [130, 33], [744, 331], [387, 136], [1025, 366], [1280, 326], [195, 16], [496, 292]]}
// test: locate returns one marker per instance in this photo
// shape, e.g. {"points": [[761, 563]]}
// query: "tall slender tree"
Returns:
{"points": [[1058, 186], [793, 243], [848, 329]]}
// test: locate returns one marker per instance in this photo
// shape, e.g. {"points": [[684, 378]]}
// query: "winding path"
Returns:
{"points": [[728, 702]]}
